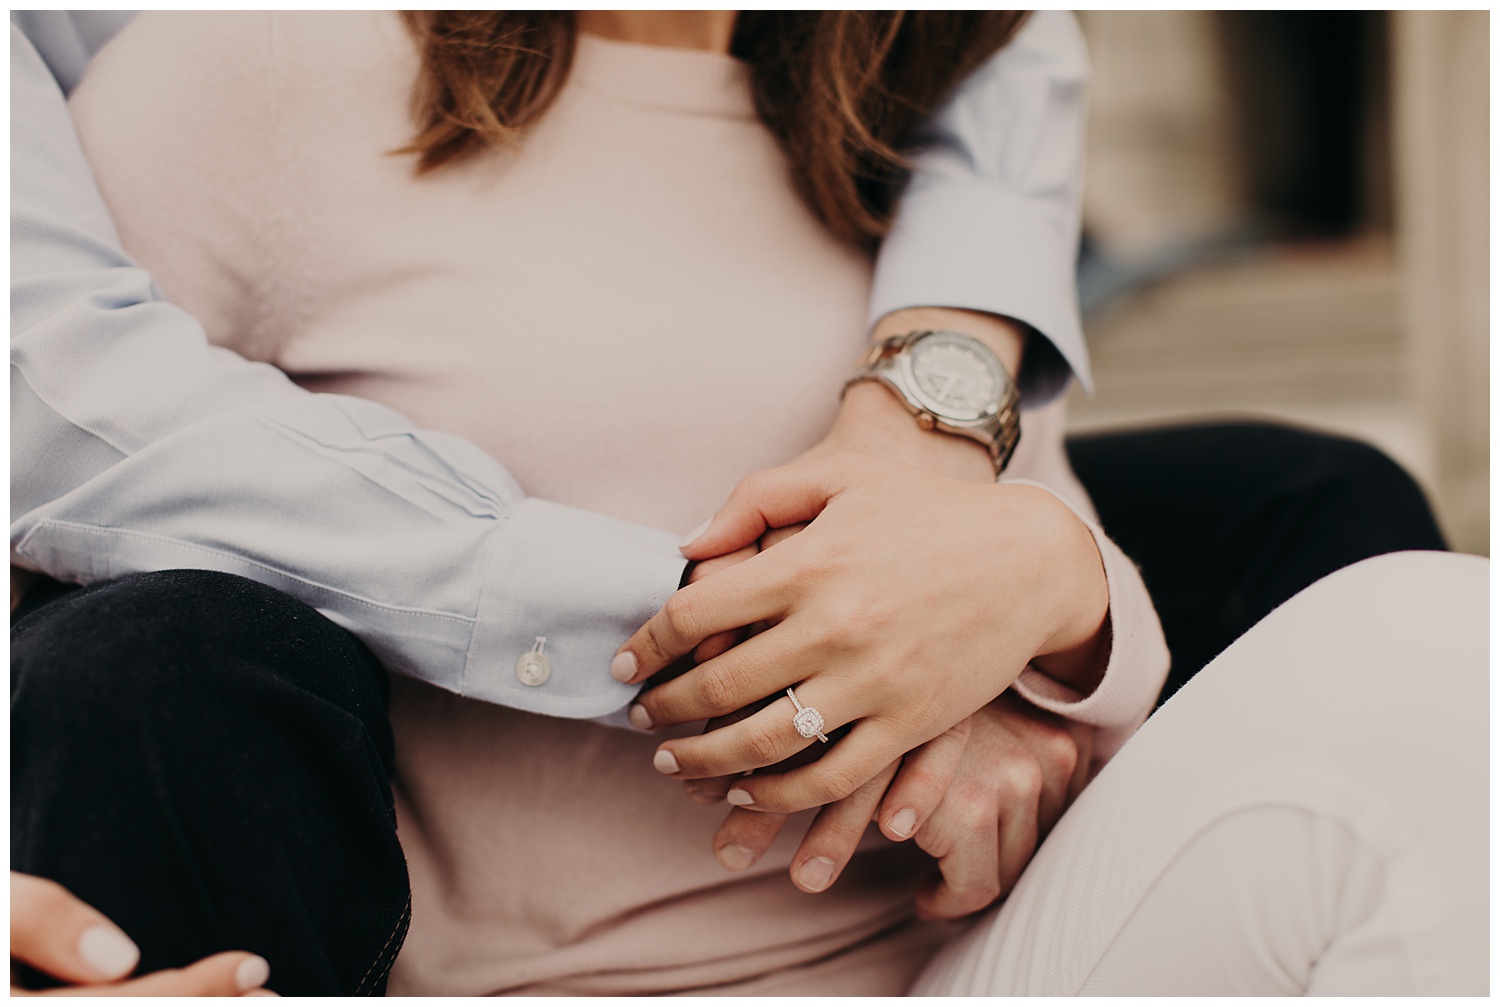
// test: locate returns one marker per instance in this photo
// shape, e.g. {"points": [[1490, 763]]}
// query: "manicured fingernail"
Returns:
{"points": [[664, 761], [108, 952], [816, 874], [739, 798], [696, 534], [639, 718], [903, 821], [736, 857], [263, 993], [623, 667], [253, 971]]}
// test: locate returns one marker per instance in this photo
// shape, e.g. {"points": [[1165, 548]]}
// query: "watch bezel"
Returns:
{"points": [[943, 411]]}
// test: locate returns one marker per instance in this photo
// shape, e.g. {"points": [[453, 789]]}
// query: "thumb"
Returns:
{"points": [[52, 930], [772, 499]]}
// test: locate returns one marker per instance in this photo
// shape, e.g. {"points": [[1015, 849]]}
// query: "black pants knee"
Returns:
{"points": [[1227, 521], [207, 761]]}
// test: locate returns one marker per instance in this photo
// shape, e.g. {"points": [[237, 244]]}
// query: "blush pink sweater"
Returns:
{"points": [[632, 310]]}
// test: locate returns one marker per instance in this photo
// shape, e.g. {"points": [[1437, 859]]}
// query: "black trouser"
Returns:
{"points": [[1228, 521], [207, 761]]}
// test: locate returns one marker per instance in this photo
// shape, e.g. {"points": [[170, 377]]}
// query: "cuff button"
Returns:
{"points": [[533, 668]]}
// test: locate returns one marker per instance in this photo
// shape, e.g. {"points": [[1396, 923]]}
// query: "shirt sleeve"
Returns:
{"points": [[990, 219], [137, 445]]}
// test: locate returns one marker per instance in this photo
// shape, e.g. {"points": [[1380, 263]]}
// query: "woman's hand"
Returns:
{"points": [[51, 930], [979, 798], [908, 603]]}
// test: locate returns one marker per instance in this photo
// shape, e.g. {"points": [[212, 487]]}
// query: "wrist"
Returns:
{"points": [[872, 420], [1077, 652]]}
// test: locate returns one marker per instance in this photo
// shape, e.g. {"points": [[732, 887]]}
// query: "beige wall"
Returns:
{"points": [[1382, 335], [1441, 134]]}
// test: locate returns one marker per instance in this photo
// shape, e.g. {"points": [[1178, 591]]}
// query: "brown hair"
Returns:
{"points": [[840, 90]]}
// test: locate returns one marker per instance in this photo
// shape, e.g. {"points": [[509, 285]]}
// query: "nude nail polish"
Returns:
{"points": [[903, 821], [639, 718], [253, 971], [623, 667], [664, 761], [108, 952], [739, 798]]}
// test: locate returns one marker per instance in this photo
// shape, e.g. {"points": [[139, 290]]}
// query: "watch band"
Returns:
{"points": [[999, 431]]}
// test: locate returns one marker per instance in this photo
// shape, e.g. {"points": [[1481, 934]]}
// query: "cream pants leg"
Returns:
{"points": [[1309, 815]]}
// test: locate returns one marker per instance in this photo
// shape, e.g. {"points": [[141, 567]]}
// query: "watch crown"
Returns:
{"points": [[926, 421]]}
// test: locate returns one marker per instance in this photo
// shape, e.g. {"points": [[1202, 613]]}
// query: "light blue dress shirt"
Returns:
{"points": [[136, 445]]}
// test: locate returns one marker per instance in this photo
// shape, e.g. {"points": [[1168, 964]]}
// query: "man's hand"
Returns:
{"points": [[979, 798], [51, 930]]}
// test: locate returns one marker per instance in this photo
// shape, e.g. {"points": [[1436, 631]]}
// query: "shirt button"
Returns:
{"points": [[533, 668]]}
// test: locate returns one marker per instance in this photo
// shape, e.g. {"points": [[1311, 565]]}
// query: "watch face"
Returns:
{"points": [[955, 378]]}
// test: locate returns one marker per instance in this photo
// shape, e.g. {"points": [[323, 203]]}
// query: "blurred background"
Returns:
{"points": [[1287, 216]]}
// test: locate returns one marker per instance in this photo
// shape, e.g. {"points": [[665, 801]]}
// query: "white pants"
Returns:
{"points": [[1309, 815]]}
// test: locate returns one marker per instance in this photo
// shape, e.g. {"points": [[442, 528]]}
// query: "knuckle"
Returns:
{"points": [[974, 817], [1059, 751], [927, 785], [1021, 780], [761, 745], [682, 613], [718, 687], [748, 490], [834, 783], [817, 560]]}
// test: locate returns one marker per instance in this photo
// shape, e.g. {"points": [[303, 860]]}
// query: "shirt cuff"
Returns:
{"points": [[582, 581], [959, 243], [1138, 657]]}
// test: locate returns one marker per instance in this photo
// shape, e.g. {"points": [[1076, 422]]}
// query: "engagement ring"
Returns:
{"points": [[807, 720]]}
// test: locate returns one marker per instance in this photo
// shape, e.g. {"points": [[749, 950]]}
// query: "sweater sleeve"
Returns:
{"points": [[1138, 658]]}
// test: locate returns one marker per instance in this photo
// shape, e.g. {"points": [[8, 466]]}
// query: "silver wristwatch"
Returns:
{"points": [[951, 382]]}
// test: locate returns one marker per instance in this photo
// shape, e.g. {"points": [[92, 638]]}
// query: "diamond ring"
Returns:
{"points": [[807, 720]]}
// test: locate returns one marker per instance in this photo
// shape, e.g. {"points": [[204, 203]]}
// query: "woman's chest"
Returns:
{"points": [[631, 310]]}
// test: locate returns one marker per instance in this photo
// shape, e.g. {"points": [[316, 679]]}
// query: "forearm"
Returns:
{"points": [[137, 445]]}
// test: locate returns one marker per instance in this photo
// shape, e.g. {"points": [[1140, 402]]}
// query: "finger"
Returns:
{"points": [[964, 836], [1057, 753], [232, 973], [922, 781], [846, 766], [1051, 743], [710, 790], [836, 832], [719, 643], [763, 739], [713, 789], [1083, 737], [718, 564], [772, 499], [744, 837], [776, 535], [1018, 837], [760, 667], [53, 930], [743, 594]]}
